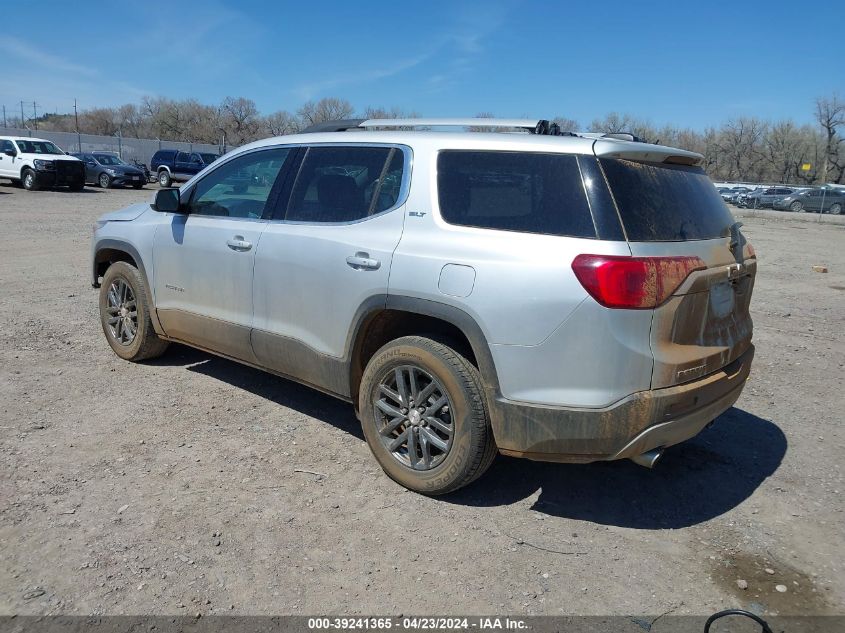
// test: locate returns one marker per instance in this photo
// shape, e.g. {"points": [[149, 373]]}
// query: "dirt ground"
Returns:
{"points": [[195, 485]]}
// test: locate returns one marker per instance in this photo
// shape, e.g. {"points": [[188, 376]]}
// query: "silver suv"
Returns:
{"points": [[558, 297]]}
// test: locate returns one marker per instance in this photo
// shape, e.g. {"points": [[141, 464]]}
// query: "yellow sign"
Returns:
{"points": [[806, 166]]}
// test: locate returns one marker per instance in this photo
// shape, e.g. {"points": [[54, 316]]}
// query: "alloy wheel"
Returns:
{"points": [[414, 417], [122, 312]]}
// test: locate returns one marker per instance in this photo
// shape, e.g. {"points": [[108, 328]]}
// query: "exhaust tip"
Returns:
{"points": [[649, 458]]}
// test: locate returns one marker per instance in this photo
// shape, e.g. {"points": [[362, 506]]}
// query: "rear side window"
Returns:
{"points": [[344, 184], [514, 191], [666, 203]]}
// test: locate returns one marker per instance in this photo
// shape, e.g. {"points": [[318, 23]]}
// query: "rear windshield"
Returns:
{"points": [[514, 191], [666, 203]]}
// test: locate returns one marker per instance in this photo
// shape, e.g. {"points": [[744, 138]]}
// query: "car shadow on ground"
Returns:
{"points": [[286, 393], [694, 481]]}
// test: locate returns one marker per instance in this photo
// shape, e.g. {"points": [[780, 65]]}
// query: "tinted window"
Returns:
{"points": [[666, 203], [240, 187], [7, 145], [514, 191], [343, 184], [182, 157]]}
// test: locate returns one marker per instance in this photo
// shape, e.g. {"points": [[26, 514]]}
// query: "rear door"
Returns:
{"points": [[182, 166], [670, 210], [324, 255]]}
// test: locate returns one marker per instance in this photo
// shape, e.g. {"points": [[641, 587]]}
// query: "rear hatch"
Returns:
{"points": [[670, 208]]}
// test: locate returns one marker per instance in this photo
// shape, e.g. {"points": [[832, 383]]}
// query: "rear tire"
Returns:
{"points": [[77, 186], [835, 209], [164, 179], [125, 314], [28, 180], [454, 415]]}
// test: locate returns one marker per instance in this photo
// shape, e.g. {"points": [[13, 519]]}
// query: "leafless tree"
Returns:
{"points": [[326, 109], [830, 115]]}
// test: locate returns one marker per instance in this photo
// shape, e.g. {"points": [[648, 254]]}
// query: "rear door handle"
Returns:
{"points": [[238, 243], [363, 261]]}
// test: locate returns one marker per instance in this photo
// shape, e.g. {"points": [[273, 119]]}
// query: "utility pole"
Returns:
{"points": [[23, 120], [35, 116], [4, 116], [76, 117]]}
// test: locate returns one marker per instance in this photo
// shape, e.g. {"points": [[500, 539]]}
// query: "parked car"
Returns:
{"points": [[819, 200], [733, 194], [108, 170], [37, 163], [457, 307], [763, 197], [171, 165]]}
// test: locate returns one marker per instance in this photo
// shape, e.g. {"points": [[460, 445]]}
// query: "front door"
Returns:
{"points": [[324, 256], [203, 258], [7, 163]]}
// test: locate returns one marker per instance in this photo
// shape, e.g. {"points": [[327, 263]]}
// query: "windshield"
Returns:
{"points": [[108, 159], [208, 158], [37, 147], [666, 203]]}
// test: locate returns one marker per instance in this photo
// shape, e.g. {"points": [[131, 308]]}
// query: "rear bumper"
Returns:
{"points": [[639, 423]]}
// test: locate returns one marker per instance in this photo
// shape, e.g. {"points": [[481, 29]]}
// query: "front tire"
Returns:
{"points": [[797, 207], [164, 179], [104, 181], [125, 314], [28, 180], [424, 415]]}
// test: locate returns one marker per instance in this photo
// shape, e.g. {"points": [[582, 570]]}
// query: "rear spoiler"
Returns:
{"points": [[646, 152]]}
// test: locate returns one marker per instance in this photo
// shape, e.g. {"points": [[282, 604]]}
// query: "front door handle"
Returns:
{"points": [[238, 243], [363, 261]]}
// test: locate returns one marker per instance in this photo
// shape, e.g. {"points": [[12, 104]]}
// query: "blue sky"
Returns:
{"points": [[686, 63]]}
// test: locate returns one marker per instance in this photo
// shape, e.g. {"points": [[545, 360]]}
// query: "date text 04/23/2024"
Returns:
{"points": [[416, 623]]}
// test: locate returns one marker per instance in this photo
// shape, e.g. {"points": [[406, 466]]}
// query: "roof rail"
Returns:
{"points": [[341, 125], [533, 126], [542, 126]]}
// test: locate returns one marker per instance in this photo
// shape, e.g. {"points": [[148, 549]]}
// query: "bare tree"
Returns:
{"points": [[239, 118], [326, 109], [280, 123], [830, 115]]}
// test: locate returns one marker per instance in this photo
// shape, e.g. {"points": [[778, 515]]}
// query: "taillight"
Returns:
{"points": [[633, 282]]}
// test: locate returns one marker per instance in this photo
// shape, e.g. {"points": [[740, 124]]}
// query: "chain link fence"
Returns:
{"points": [[129, 149]]}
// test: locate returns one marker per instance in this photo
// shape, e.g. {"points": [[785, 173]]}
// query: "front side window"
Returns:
{"points": [[6, 146], [240, 187], [344, 184], [514, 191]]}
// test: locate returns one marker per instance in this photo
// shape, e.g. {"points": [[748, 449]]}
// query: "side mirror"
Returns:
{"points": [[167, 201], [10, 152]]}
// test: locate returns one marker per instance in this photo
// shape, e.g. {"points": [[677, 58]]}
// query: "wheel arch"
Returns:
{"points": [[109, 251], [397, 316]]}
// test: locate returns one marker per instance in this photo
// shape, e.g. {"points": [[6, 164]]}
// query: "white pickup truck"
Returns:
{"points": [[38, 163]]}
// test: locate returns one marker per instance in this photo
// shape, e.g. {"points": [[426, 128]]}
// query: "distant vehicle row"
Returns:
{"points": [[38, 163], [797, 199]]}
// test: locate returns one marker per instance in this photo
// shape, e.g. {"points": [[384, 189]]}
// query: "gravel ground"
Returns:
{"points": [[195, 485]]}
